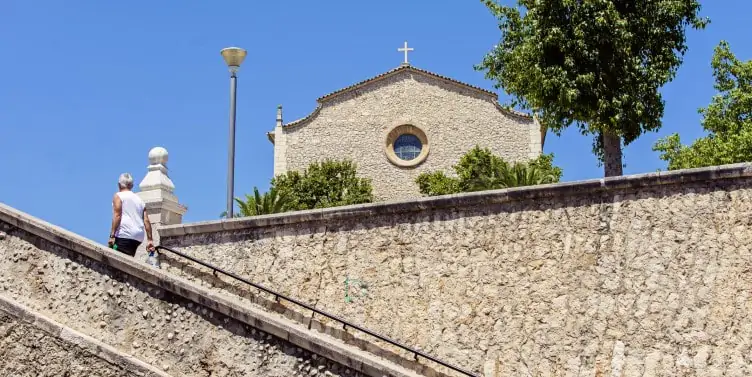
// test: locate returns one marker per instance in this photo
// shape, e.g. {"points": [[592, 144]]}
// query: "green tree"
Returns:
{"points": [[479, 170], [728, 119], [527, 175], [598, 64], [437, 183], [268, 203], [257, 204], [545, 170], [330, 183]]}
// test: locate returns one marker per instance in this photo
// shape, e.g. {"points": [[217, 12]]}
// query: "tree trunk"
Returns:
{"points": [[612, 165]]}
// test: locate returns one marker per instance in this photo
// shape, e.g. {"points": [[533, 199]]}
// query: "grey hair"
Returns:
{"points": [[125, 181]]}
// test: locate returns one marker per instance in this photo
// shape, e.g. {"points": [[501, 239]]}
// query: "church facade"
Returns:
{"points": [[400, 124]]}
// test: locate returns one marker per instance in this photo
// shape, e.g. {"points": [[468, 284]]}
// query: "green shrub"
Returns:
{"points": [[480, 170]]}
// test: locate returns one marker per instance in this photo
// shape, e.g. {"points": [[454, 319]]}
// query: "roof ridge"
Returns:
{"points": [[405, 67]]}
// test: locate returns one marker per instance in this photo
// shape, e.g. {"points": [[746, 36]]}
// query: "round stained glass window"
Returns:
{"points": [[407, 147]]}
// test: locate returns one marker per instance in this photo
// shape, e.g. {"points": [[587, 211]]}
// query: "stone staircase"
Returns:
{"points": [[96, 312]]}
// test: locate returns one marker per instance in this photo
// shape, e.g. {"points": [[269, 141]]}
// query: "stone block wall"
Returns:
{"points": [[626, 277]]}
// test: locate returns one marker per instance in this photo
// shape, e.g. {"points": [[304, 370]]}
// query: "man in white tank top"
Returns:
{"points": [[129, 220]]}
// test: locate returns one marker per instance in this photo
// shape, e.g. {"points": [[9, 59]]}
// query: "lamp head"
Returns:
{"points": [[233, 56]]}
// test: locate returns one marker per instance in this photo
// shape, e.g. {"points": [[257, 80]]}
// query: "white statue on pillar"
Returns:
{"points": [[157, 192]]}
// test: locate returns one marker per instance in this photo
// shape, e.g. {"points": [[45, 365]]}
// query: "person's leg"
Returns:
{"points": [[127, 246]]}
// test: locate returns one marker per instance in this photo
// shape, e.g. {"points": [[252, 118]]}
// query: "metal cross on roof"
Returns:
{"points": [[406, 50]]}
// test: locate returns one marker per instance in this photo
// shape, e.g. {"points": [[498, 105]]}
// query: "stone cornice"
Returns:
{"points": [[469, 200]]}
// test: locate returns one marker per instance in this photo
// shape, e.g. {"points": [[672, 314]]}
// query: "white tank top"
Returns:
{"points": [[132, 220]]}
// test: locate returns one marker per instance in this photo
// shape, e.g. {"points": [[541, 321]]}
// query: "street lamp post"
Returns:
{"points": [[233, 56]]}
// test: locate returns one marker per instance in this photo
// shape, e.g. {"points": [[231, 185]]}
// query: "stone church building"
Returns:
{"points": [[402, 123]]}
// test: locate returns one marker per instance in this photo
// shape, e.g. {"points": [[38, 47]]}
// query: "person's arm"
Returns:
{"points": [[147, 227], [117, 215]]}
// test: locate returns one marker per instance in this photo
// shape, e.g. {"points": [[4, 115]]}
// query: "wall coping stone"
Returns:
{"points": [[468, 200], [295, 333], [85, 342]]}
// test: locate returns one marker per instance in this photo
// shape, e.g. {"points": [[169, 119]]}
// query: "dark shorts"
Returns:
{"points": [[127, 246]]}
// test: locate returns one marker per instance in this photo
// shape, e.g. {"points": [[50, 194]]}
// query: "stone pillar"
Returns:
{"points": [[156, 190]]}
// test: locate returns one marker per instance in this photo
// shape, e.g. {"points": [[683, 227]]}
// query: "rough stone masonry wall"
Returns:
{"points": [[627, 277], [28, 351], [454, 119], [33, 345], [164, 330]]}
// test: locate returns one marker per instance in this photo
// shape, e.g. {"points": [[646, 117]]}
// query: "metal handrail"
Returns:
{"points": [[344, 322]]}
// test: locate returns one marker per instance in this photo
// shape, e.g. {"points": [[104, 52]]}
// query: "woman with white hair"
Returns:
{"points": [[129, 220]]}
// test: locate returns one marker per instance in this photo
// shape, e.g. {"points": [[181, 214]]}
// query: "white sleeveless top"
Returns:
{"points": [[132, 220]]}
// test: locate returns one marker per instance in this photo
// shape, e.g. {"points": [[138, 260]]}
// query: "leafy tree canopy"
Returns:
{"points": [[479, 170], [598, 64], [728, 119], [330, 183]]}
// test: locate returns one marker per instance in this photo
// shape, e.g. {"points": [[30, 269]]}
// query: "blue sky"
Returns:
{"points": [[88, 87]]}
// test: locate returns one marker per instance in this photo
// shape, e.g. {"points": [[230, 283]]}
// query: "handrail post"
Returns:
{"points": [[310, 321]]}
